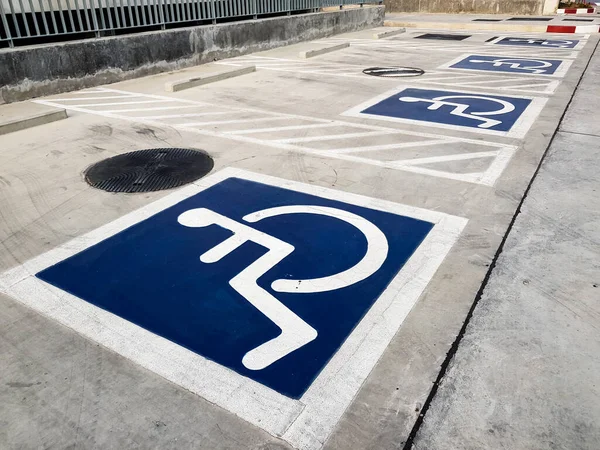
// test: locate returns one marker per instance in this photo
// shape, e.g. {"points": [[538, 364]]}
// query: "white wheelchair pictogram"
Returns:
{"points": [[557, 43], [295, 332], [460, 109], [537, 66]]}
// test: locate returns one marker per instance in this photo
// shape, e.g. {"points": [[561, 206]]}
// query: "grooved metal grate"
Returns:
{"points": [[149, 170], [394, 72]]}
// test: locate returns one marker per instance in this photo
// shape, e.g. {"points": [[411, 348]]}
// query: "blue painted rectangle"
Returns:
{"points": [[160, 275], [530, 66], [542, 43], [479, 111]]}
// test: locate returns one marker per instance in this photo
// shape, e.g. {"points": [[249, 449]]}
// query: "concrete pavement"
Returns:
{"points": [[526, 372], [317, 122]]}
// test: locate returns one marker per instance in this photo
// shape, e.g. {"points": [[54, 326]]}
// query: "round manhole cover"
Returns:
{"points": [[149, 170], [394, 72]]}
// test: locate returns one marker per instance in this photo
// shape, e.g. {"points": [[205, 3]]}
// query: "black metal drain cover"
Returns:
{"points": [[444, 37], [531, 19], [394, 72], [149, 170]]}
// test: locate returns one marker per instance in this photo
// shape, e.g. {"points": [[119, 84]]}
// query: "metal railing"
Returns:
{"points": [[25, 22]]}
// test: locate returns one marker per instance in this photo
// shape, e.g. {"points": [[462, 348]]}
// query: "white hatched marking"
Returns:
{"points": [[332, 137], [140, 102], [179, 116], [436, 159], [162, 108], [496, 81], [278, 129], [487, 177], [226, 122], [107, 97], [372, 148]]}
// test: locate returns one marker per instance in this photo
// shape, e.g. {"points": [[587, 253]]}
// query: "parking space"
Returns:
{"points": [[314, 281]]}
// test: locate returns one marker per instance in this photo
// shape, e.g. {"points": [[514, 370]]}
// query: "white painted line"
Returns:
{"points": [[305, 423], [322, 51], [161, 108], [277, 129], [179, 116], [397, 145], [225, 122], [94, 91], [332, 137], [138, 102], [106, 97], [175, 86], [446, 158]]}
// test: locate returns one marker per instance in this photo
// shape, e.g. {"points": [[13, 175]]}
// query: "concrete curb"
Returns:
{"points": [[501, 27], [180, 85], [384, 34], [471, 26], [33, 120], [322, 51]]}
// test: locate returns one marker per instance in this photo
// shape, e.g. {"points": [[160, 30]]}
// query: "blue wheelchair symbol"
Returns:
{"points": [[484, 112], [542, 43], [531, 66], [264, 280]]}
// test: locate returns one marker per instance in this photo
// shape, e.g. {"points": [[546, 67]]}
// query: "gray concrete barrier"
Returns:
{"points": [[323, 50], [390, 33], [188, 83], [31, 120], [50, 69]]}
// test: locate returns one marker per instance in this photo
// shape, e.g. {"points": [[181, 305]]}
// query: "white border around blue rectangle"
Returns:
{"points": [[518, 131], [582, 41], [305, 423], [561, 71]]}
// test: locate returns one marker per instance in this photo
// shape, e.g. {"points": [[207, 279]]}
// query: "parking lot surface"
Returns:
{"points": [[304, 293]]}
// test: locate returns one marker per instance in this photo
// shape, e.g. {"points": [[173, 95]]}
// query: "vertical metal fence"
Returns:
{"points": [[25, 22]]}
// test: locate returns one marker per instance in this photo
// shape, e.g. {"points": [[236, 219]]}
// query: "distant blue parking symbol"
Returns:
{"points": [[264, 280], [543, 43], [531, 66], [478, 111]]}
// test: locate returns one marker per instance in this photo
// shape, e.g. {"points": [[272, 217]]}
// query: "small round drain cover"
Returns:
{"points": [[149, 170], [394, 72]]}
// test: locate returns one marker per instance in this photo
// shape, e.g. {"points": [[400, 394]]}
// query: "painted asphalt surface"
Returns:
{"points": [[306, 292]]}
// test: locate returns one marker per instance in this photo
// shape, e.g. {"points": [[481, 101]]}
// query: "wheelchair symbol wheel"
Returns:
{"points": [[295, 332]]}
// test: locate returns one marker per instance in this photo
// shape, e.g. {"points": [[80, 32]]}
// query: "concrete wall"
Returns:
{"points": [[50, 69], [473, 6]]}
